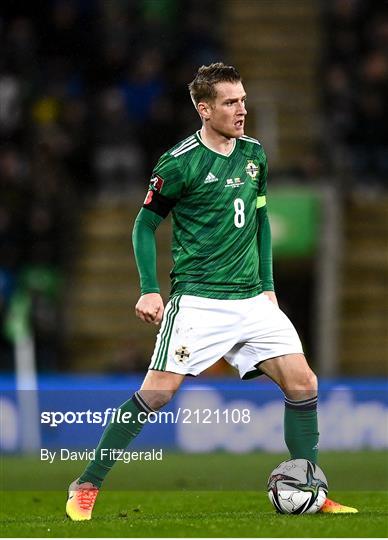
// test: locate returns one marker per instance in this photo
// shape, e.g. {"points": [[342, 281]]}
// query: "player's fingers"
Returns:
{"points": [[159, 315], [143, 315], [139, 314], [148, 317], [151, 315]]}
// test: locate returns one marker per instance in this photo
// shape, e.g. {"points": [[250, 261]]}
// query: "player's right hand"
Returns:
{"points": [[150, 308]]}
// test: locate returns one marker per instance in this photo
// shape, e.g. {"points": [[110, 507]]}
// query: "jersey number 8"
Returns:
{"points": [[239, 216]]}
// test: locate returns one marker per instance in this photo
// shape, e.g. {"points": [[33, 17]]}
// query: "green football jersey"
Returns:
{"points": [[214, 199]]}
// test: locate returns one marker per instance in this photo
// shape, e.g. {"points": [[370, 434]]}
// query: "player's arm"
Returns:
{"points": [[150, 307], [156, 207], [264, 241], [265, 253]]}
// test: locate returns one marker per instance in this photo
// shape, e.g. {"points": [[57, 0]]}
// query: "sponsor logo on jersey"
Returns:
{"points": [[252, 169], [182, 354], [234, 182], [210, 178]]}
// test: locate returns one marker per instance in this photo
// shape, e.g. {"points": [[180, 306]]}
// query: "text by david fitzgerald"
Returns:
{"points": [[64, 454]]}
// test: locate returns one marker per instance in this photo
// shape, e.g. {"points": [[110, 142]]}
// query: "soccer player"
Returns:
{"points": [[222, 301]]}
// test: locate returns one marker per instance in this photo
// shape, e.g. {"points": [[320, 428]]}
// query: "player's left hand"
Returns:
{"points": [[272, 296]]}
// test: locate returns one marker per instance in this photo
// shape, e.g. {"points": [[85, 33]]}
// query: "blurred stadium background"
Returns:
{"points": [[93, 91]]}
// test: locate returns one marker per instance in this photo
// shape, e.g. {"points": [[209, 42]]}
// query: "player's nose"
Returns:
{"points": [[242, 109]]}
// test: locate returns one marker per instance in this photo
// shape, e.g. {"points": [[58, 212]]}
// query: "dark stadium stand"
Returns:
{"points": [[93, 92]]}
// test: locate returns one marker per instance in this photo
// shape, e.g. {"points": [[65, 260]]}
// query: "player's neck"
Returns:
{"points": [[217, 142]]}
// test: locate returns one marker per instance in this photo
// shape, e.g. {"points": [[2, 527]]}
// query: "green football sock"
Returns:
{"points": [[301, 428], [117, 436]]}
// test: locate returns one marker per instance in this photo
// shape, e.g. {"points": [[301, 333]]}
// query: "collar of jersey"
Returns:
{"points": [[215, 151]]}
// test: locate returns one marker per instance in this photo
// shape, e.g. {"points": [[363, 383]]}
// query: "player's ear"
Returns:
{"points": [[203, 109]]}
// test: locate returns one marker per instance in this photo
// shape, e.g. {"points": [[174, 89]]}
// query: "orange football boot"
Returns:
{"points": [[331, 507], [81, 500]]}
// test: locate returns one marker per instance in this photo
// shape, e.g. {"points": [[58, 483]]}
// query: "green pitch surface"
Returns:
{"points": [[180, 502]]}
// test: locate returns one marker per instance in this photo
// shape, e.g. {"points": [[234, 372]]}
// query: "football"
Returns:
{"points": [[297, 486]]}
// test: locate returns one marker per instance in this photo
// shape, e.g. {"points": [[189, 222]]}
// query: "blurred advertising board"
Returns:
{"points": [[295, 217], [205, 415]]}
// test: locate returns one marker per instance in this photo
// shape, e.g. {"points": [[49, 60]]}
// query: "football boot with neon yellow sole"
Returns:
{"points": [[331, 507], [80, 501]]}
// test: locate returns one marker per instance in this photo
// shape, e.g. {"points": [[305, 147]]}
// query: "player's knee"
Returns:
{"points": [[310, 382], [304, 384], [157, 399]]}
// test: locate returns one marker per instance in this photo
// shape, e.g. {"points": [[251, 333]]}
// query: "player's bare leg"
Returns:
{"points": [[159, 387], [299, 384], [293, 374]]}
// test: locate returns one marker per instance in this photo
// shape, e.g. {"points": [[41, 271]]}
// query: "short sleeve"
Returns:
{"points": [[167, 178], [165, 186]]}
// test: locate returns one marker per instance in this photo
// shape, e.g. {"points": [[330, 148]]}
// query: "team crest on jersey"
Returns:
{"points": [[182, 354], [252, 169]]}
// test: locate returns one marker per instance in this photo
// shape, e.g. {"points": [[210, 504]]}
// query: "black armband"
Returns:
{"points": [[158, 203]]}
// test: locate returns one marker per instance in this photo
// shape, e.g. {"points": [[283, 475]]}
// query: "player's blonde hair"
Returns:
{"points": [[202, 88]]}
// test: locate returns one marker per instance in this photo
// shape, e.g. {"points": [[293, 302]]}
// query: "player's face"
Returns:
{"points": [[227, 112]]}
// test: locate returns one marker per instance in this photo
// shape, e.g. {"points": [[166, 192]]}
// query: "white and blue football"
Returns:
{"points": [[297, 486]]}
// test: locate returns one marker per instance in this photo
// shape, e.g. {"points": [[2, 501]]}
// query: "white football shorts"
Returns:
{"points": [[196, 332]]}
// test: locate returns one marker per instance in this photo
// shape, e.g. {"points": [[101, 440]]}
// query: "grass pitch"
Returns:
{"points": [[178, 500]]}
